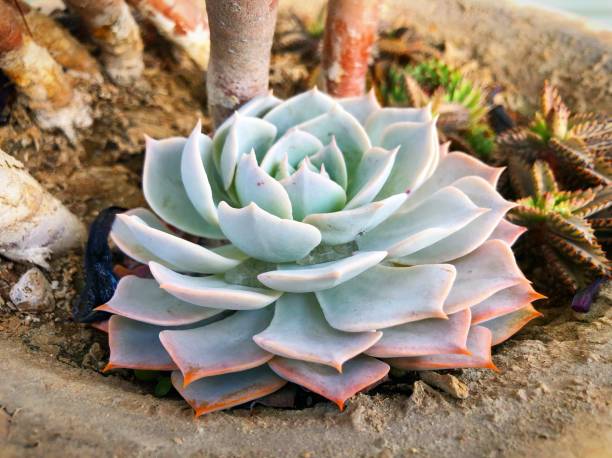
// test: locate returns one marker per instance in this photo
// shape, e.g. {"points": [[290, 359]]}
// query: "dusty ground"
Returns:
{"points": [[552, 397], [499, 35]]}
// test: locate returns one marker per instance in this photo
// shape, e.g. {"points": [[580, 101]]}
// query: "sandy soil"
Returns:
{"points": [[551, 398]]}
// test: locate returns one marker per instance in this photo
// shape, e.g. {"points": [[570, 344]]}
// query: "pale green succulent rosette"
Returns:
{"points": [[354, 243]]}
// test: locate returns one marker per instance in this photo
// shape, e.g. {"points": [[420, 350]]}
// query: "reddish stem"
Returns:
{"points": [[241, 34], [350, 33]]}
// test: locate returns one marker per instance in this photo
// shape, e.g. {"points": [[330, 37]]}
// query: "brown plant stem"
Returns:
{"points": [[39, 77], [350, 32], [114, 29], [183, 22], [241, 33], [62, 46]]}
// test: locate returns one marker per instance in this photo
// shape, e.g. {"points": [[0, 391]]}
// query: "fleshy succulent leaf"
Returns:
{"points": [[284, 169], [244, 135], [224, 391], [143, 300], [507, 232], [357, 374], [164, 191], [385, 296], [418, 149], [346, 225], [136, 345], [260, 105], [437, 217], [295, 145], [212, 292], [253, 184], [219, 348], [125, 240], [507, 325], [479, 347], [175, 252], [311, 192], [505, 301], [318, 277], [379, 120], [299, 331], [331, 157], [199, 175], [371, 175], [345, 129], [425, 337], [256, 107], [480, 274], [298, 109], [265, 236], [473, 234], [361, 107], [451, 168]]}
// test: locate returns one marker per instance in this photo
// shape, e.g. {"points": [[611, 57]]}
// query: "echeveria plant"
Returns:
{"points": [[356, 243]]}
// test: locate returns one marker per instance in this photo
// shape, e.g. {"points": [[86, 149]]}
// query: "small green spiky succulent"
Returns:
{"points": [[352, 242], [562, 224], [578, 147], [461, 104]]}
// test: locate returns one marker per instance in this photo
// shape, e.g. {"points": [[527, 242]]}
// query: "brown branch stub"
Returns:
{"points": [[183, 22], [114, 29], [350, 33], [39, 77], [241, 33], [65, 49], [11, 28]]}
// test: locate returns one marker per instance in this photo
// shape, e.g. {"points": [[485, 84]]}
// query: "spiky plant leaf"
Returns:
{"points": [[461, 104], [559, 226], [578, 146]]}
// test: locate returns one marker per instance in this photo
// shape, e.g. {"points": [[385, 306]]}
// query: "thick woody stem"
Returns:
{"points": [[241, 33], [39, 77], [114, 29], [183, 22], [350, 33], [62, 46]]}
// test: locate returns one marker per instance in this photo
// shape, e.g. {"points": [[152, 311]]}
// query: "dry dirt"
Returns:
{"points": [[551, 398]]}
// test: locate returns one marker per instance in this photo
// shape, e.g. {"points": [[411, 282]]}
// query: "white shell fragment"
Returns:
{"points": [[33, 224]]}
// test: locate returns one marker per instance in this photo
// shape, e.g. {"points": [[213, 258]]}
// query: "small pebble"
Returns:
{"points": [[32, 293], [521, 394], [544, 387], [447, 383]]}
